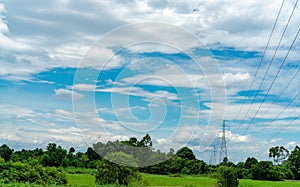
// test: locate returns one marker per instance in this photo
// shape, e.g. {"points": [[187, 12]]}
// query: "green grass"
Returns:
{"points": [[86, 179], [81, 180], [255, 183], [162, 180], [74, 170]]}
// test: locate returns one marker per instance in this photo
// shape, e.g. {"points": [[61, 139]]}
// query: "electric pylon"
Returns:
{"points": [[223, 150]]}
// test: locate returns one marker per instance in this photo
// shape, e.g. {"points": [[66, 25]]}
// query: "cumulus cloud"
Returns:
{"points": [[67, 94], [36, 37], [83, 87], [213, 22]]}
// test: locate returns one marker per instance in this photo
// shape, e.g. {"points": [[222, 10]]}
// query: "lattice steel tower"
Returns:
{"points": [[223, 150], [213, 159]]}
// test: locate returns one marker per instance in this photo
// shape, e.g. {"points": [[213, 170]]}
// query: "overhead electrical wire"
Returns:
{"points": [[268, 68], [276, 117], [283, 90], [282, 129], [278, 71], [261, 60]]}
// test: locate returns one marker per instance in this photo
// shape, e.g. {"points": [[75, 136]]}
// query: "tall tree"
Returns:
{"points": [[54, 155], [186, 153], [279, 154], [283, 154], [146, 141], [92, 155], [6, 152], [250, 162], [274, 153], [294, 162]]}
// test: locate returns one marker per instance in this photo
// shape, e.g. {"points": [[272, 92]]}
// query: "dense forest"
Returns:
{"points": [[122, 162]]}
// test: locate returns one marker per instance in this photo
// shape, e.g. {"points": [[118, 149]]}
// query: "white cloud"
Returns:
{"points": [[137, 91], [64, 40], [236, 80], [236, 138], [67, 94], [83, 87]]}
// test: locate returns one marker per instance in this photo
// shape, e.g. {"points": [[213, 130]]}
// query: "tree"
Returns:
{"points": [[131, 142], [19, 172], [294, 162], [111, 172], [274, 152], [72, 150], [283, 154], [250, 162], [171, 153], [194, 167], [145, 142], [92, 155], [227, 177], [264, 170], [186, 153], [54, 155], [278, 154], [6, 152]]}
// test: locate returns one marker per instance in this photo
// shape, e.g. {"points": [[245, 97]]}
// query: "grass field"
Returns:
{"points": [[81, 179], [88, 180], [161, 180], [254, 183]]}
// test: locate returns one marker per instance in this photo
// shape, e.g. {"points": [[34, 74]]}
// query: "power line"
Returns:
{"points": [[286, 126], [261, 59], [278, 71], [294, 98], [282, 91], [268, 68]]}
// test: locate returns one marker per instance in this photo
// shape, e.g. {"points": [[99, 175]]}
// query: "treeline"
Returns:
{"points": [[53, 156], [44, 167], [121, 162]]}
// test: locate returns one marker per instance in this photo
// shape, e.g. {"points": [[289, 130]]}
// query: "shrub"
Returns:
{"points": [[264, 170], [19, 172], [111, 173], [227, 177]]}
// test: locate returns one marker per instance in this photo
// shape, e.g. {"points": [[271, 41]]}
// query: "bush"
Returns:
{"points": [[227, 177], [112, 173], [264, 170], [18, 172]]}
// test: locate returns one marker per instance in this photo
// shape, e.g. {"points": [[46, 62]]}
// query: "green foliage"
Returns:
{"points": [[250, 162], [145, 142], [278, 154], [25, 155], [293, 162], [227, 177], [112, 173], [141, 151], [71, 150], [18, 172], [54, 155], [186, 153], [264, 170], [6, 152], [121, 158], [26, 166], [92, 155]]}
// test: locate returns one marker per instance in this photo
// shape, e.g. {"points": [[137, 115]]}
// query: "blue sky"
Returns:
{"points": [[78, 72]]}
